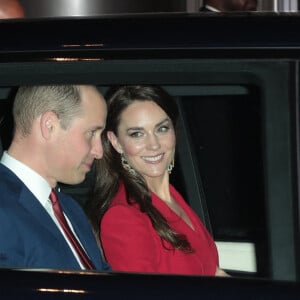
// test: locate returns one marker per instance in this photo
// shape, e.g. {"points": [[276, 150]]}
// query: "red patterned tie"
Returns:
{"points": [[86, 262]]}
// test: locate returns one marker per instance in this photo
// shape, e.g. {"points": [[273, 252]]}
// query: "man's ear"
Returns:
{"points": [[114, 141], [48, 121]]}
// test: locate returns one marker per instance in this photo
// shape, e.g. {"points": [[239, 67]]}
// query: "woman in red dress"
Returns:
{"points": [[143, 222]]}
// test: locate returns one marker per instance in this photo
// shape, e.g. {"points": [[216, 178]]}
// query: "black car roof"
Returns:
{"points": [[123, 36]]}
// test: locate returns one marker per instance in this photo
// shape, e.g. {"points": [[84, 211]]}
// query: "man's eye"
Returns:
{"points": [[91, 133]]}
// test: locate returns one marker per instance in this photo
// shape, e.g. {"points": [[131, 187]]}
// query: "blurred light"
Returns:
{"points": [[47, 290], [83, 45], [63, 59]]}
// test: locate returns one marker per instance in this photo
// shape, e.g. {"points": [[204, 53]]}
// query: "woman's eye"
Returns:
{"points": [[136, 134], [163, 128]]}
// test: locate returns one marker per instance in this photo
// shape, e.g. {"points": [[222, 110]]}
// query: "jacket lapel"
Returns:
{"points": [[38, 212]]}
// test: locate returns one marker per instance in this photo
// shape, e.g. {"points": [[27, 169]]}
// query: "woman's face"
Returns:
{"points": [[146, 137]]}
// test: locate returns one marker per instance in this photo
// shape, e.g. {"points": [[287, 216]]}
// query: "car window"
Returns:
{"points": [[224, 129], [234, 164]]}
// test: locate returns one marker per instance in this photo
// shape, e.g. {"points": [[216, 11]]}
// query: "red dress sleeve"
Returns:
{"points": [[127, 240]]}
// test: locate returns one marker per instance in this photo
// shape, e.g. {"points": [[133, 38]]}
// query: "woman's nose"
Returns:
{"points": [[153, 142]]}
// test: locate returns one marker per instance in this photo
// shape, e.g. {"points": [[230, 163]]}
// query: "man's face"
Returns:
{"points": [[80, 143]]}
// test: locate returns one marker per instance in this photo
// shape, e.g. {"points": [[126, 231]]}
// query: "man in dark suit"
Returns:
{"points": [[228, 5], [56, 139]]}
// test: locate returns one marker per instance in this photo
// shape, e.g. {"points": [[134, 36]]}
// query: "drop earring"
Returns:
{"points": [[171, 166], [126, 165]]}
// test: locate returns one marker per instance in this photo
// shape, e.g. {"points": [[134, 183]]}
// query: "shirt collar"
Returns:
{"points": [[33, 181]]}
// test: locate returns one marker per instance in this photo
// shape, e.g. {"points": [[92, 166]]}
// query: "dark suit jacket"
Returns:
{"points": [[29, 237]]}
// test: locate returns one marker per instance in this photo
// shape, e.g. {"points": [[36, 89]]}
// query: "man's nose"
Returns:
{"points": [[97, 149]]}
